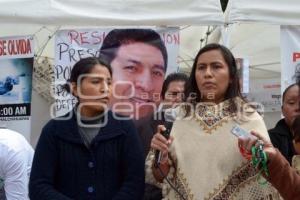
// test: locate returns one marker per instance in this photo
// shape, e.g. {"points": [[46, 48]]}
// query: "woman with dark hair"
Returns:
{"points": [[200, 160], [281, 135], [89, 153], [281, 175]]}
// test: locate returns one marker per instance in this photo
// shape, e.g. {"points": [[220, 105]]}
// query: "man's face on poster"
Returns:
{"points": [[142, 66]]}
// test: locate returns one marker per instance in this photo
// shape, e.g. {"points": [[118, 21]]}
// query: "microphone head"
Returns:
{"points": [[170, 115]]}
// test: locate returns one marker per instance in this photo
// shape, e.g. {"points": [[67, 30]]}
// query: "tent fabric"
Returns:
{"points": [[264, 11], [260, 43], [112, 12]]}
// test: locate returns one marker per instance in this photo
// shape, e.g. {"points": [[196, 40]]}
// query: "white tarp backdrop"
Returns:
{"points": [[282, 12], [259, 43], [112, 12]]}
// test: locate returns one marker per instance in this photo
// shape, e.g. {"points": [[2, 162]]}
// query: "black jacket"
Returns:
{"points": [[64, 168], [281, 137]]}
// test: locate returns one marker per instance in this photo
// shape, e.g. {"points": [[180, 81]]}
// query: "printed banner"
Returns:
{"points": [[138, 52], [290, 55], [16, 65], [266, 92]]}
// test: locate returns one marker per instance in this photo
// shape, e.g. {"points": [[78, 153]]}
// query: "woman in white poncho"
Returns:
{"points": [[201, 158]]}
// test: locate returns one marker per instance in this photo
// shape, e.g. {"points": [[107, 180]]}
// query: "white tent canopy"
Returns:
{"points": [[42, 18], [111, 12], [264, 11], [260, 44]]}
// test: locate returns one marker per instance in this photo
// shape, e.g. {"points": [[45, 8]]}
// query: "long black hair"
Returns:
{"points": [[176, 76], [192, 92], [286, 90]]}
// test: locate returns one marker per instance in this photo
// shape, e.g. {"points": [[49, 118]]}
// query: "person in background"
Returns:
{"points": [[282, 176], [90, 153], [172, 94], [16, 156], [281, 135], [139, 59], [200, 159]]}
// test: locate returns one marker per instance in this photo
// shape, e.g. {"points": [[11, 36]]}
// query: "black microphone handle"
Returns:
{"points": [[166, 134]]}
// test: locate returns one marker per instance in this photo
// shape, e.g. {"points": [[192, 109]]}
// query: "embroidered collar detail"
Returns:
{"points": [[211, 116]]}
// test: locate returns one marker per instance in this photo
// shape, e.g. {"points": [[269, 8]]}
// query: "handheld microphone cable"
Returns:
{"points": [[166, 134], [169, 182]]}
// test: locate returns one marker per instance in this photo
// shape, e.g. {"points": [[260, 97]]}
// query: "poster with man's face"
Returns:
{"points": [[140, 59]]}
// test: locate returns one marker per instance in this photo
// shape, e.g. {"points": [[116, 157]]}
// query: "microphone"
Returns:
{"points": [[166, 134]]}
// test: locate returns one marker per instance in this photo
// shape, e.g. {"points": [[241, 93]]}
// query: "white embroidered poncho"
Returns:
{"points": [[205, 158]]}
